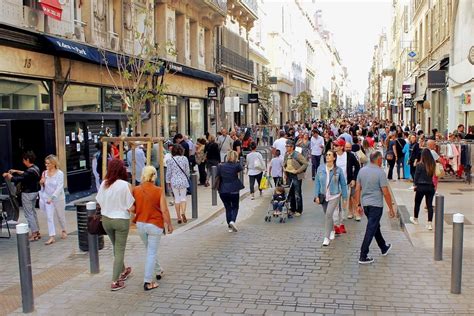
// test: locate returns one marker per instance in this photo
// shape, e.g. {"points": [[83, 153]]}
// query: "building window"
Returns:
{"points": [[112, 101], [196, 118], [24, 94], [80, 98]]}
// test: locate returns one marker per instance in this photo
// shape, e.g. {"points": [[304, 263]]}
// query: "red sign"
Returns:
{"points": [[52, 8]]}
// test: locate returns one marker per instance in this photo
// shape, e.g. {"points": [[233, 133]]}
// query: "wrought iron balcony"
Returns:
{"points": [[230, 59]]}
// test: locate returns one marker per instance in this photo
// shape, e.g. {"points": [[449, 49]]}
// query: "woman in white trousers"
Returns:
{"points": [[52, 198]]}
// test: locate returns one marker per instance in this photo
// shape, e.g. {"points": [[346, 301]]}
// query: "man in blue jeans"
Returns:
{"points": [[371, 189]]}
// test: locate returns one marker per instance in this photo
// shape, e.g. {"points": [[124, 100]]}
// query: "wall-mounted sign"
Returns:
{"points": [[232, 104], [466, 98], [408, 103], [436, 79], [212, 92], [412, 55], [314, 104], [272, 80], [406, 88], [253, 97], [470, 57]]}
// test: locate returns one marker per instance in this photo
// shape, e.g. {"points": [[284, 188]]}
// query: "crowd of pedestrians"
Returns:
{"points": [[347, 159]]}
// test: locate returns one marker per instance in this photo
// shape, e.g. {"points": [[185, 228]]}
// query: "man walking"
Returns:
{"points": [[371, 189], [295, 165], [317, 146], [225, 143]]}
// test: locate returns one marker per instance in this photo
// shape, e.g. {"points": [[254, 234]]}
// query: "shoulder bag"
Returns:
{"points": [[322, 197], [94, 224]]}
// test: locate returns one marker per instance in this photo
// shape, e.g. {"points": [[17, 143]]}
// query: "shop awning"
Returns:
{"points": [[52, 8], [193, 72]]}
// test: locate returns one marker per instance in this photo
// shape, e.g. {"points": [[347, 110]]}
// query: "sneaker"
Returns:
{"points": [[332, 235], [126, 273], [233, 227], [414, 220], [261, 192], [342, 228], [411, 188], [326, 242], [366, 261], [297, 214], [337, 231], [230, 230], [350, 216], [389, 247], [117, 285], [252, 197], [429, 226], [358, 218]]}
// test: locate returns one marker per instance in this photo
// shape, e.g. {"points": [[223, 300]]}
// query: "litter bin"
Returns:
{"points": [[82, 228]]}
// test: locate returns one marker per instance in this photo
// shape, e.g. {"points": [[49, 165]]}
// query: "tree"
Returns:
{"points": [[265, 96], [138, 77], [303, 104]]}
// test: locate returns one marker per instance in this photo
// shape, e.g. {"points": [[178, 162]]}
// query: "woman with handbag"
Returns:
{"points": [[329, 185], [255, 167], [177, 176], [52, 198], [116, 201], [152, 218], [424, 186], [228, 184]]}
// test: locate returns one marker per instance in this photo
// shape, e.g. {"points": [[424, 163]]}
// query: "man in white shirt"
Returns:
{"points": [[317, 147], [280, 144], [225, 143]]}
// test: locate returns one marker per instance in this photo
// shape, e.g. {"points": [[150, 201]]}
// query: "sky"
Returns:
{"points": [[356, 25]]}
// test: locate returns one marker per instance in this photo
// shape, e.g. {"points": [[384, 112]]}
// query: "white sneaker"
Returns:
{"points": [[414, 220], [230, 230], [326, 242], [429, 226], [350, 216], [332, 235], [252, 197], [358, 218], [233, 227]]}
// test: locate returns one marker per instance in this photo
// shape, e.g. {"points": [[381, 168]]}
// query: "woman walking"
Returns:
{"points": [[29, 180], [116, 202], [201, 160], [177, 176], [390, 155], [329, 185], [424, 186], [229, 186], [52, 198], [152, 217], [406, 157], [305, 145], [255, 167]]}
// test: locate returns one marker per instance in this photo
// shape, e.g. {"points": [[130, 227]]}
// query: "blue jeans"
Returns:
{"points": [[150, 235], [296, 199], [278, 205], [315, 161], [374, 214], [231, 204]]}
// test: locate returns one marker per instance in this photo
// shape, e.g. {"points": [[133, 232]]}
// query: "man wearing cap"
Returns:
{"points": [[295, 165], [317, 146]]}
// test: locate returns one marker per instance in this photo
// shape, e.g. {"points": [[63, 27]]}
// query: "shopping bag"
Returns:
{"points": [[263, 183]]}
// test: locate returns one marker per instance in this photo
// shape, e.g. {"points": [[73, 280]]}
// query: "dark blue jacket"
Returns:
{"points": [[229, 173]]}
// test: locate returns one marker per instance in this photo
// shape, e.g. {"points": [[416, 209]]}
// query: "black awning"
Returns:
{"points": [[193, 72]]}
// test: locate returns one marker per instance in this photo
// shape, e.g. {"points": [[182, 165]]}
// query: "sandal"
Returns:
{"points": [[179, 221], [150, 286], [185, 220], [50, 241], [63, 234]]}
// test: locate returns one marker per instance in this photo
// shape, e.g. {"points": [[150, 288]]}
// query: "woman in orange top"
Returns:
{"points": [[152, 217]]}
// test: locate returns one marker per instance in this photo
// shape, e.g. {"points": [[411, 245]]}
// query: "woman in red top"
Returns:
{"points": [[152, 217]]}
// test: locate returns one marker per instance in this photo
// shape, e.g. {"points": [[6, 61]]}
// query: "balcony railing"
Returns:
{"points": [[234, 61], [251, 4], [221, 4]]}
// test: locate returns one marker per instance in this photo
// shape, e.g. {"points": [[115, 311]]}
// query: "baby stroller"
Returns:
{"points": [[284, 215]]}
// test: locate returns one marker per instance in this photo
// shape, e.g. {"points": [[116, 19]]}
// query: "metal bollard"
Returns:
{"points": [[194, 195], [241, 173], [213, 181], [439, 222], [24, 261], [456, 263], [93, 242]]}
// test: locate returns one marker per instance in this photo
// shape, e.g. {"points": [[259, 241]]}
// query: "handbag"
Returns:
{"points": [[389, 156], [362, 156], [263, 183], [189, 188], [94, 224], [439, 170]]}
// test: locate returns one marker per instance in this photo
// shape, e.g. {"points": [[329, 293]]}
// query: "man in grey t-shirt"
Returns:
{"points": [[225, 143], [371, 189]]}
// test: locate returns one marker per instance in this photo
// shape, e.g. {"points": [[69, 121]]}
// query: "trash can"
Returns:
{"points": [[82, 227]]}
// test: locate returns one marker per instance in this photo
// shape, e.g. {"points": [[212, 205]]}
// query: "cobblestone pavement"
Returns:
{"points": [[265, 268]]}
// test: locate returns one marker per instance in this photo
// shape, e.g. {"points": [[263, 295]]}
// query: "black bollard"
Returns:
{"points": [[456, 263], [24, 261], [93, 242], [194, 195], [438, 236], [213, 182]]}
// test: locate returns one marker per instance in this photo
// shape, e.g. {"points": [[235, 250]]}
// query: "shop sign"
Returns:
{"points": [[406, 88], [436, 79], [272, 80], [52, 8], [232, 104], [466, 98], [412, 55], [212, 92], [253, 98], [408, 103]]}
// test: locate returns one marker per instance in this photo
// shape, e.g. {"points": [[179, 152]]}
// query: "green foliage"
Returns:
{"points": [[265, 95], [303, 103]]}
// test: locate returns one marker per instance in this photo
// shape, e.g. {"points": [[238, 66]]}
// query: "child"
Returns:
{"points": [[278, 200], [276, 168]]}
